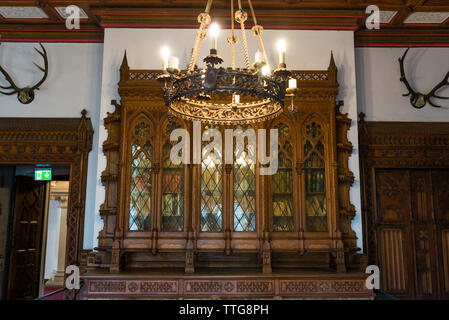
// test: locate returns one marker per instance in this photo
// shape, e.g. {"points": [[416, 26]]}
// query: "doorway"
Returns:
{"points": [[57, 141], [36, 237]]}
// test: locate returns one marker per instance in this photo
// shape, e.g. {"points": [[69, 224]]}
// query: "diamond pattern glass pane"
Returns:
{"points": [[211, 193], [244, 194], [316, 212], [282, 195], [140, 194], [172, 190]]}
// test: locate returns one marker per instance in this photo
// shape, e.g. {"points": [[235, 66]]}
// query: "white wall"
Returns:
{"points": [[73, 84], [306, 50], [380, 92], [53, 227]]}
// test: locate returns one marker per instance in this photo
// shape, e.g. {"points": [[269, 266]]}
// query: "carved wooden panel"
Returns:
{"points": [[393, 210], [401, 194], [219, 287], [393, 261]]}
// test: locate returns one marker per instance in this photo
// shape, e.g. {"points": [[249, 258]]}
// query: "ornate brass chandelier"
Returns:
{"points": [[221, 95]]}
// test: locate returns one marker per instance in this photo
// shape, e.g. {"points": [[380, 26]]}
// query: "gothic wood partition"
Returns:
{"points": [[315, 147], [59, 141], [405, 204]]}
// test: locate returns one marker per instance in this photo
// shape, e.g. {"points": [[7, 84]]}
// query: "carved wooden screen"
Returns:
{"points": [[314, 175], [282, 180], [211, 190], [140, 198], [172, 184], [211, 208], [244, 182]]}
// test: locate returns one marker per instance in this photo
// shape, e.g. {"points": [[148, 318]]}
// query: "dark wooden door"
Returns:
{"points": [[26, 239], [412, 218]]}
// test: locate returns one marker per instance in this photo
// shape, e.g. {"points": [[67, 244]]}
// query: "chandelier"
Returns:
{"points": [[219, 95]]}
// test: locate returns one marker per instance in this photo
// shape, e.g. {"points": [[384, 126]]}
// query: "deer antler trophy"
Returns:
{"points": [[417, 99], [26, 95]]}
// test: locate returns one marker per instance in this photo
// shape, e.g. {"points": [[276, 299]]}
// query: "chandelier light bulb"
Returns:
{"points": [[281, 49], [266, 70], [292, 83], [165, 54], [214, 29]]}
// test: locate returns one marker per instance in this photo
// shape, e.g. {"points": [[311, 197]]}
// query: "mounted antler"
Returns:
{"points": [[417, 99], [26, 95]]}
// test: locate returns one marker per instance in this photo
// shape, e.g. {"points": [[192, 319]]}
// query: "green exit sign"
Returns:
{"points": [[42, 174]]}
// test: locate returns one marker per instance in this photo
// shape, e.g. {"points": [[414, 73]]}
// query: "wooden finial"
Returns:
{"points": [[332, 62], [83, 113], [124, 65]]}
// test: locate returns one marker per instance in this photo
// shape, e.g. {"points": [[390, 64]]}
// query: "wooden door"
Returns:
{"points": [[394, 250], [412, 219], [26, 239]]}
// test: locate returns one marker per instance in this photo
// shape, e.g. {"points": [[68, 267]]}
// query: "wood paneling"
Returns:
{"points": [[392, 260], [405, 205]]}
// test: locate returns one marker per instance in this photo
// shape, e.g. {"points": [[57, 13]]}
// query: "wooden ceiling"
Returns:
{"points": [[405, 22]]}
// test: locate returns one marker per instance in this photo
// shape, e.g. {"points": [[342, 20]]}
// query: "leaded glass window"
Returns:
{"points": [[316, 212], [244, 189], [211, 191], [172, 186], [282, 182], [141, 176]]}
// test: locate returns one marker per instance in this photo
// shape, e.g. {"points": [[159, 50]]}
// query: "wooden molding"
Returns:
{"points": [[304, 15]]}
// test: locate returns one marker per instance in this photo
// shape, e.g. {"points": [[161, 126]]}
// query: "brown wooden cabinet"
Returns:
{"points": [[195, 216]]}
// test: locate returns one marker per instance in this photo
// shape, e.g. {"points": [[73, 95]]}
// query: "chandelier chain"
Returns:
{"points": [[258, 30], [232, 35], [204, 20]]}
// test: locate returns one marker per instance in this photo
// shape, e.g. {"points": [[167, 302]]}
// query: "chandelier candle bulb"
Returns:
{"points": [[165, 53], [281, 49], [236, 98], [266, 70], [214, 30], [173, 62], [292, 83]]}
